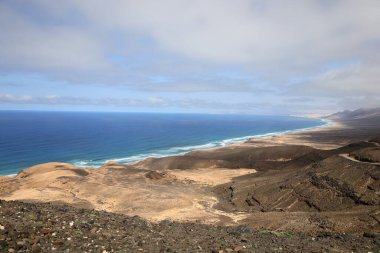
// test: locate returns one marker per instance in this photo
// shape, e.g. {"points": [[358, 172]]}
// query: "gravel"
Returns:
{"points": [[45, 227]]}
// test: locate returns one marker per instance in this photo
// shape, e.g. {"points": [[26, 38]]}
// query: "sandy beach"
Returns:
{"points": [[261, 182]]}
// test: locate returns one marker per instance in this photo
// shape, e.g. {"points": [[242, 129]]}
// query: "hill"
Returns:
{"points": [[43, 227]]}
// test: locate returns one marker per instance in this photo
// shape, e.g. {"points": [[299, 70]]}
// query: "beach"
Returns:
{"points": [[281, 189], [92, 139], [192, 187]]}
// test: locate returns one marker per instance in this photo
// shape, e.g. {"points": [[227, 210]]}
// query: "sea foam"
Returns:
{"points": [[173, 151]]}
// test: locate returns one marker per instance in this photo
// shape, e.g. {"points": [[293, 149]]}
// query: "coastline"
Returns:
{"points": [[131, 160], [298, 137], [225, 143], [233, 142], [255, 182]]}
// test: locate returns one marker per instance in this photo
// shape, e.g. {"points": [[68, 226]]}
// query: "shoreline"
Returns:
{"points": [[298, 137], [225, 143], [205, 147], [257, 182]]}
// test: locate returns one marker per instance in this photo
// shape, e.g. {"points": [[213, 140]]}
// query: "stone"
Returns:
{"points": [[237, 248]]}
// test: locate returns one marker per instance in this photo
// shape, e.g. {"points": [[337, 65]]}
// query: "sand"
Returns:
{"points": [[304, 137], [197, 186], [178, 195]]}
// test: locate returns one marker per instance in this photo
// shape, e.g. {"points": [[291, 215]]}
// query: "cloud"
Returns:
{"points": [[262, 33], [128, 102], [349, 81], [209, 85], [133, 43], [25, 45]]}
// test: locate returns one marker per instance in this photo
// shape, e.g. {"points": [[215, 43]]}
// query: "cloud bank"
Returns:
{"points": [[310, 54]]}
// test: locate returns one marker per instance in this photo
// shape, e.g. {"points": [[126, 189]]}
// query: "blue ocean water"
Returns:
{"points": [[90, 139]]}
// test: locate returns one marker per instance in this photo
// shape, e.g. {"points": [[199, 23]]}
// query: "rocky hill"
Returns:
{"points": [[59, 228], [367, 115]]}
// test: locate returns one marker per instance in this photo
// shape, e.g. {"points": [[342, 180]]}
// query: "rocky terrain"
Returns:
{"points": [[297, 187], [365, 115], [285, 187], [323, 187], [59, 228], [184, 195], [313, 191], [370, 154]]}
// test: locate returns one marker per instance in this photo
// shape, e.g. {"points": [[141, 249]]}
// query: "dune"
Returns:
{"points": [[290, 187], [316, 180], [178, 195]]}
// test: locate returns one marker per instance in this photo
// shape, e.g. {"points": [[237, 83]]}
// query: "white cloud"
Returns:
{"points": [[350, 81], [263, 33], [157, 103], [279, 41], [36, 47]]}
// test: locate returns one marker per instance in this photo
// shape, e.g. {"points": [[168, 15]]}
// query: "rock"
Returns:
{"points": [[371, 235], [106, 235], [3, 243], [237, 248], [244, 229], [20, 243], [119, 233], [167, 222], [36, 249], [154, 175], [45, 230], [93, 230]]}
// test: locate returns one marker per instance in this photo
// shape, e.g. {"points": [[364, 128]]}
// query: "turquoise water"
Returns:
{"points": [[91, 139]]}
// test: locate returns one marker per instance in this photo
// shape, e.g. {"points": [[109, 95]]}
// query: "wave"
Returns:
{"points": [[185, 149]]}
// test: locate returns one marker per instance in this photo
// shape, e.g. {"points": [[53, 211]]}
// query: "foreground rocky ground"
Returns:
{"points": [[44, 227]]}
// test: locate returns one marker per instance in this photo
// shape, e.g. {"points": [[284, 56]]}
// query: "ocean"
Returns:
{"points": [[92, 138]]}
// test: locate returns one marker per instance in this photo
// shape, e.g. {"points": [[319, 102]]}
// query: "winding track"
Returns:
{"points": [[374, 143], [347, 156]]}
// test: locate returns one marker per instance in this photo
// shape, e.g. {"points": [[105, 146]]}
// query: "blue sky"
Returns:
{"points": [[214, 56]]}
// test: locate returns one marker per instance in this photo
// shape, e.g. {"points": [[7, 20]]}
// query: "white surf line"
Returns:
{"points": [[182, 150], [9, 175]]}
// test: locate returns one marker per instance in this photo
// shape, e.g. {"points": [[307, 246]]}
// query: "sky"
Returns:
{"points": [[288, 57]]}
